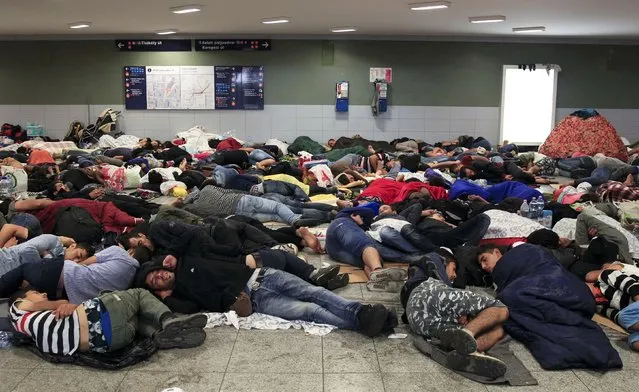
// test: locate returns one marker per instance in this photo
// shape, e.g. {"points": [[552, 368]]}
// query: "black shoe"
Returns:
{"points": [[391, 322], [182, 338], [320, 277], [371, 319], [458, 339], [340, 280], [306, 222], [476, 363]]}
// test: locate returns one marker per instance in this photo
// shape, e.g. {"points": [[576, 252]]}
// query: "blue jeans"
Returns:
{"points": [[346, 241], [265, 210], [223, 175], [597, 177], [258, 156], [281, 294], [286, 189], [628, 317], [307, 210], [394, 239]]}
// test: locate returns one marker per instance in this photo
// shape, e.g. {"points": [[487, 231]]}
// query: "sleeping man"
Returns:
{"points": [[550, 309]]}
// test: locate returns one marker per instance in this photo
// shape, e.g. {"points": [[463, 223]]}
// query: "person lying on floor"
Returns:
{"points": [[111, 269], [562, 336], [102, 324], [212, 200], [374, 164], [192, 284], [35, 249], [467, 322], [347, 242]]}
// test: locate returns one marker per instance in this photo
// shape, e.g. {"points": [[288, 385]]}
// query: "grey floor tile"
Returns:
{"points": [[223, 329], [140, 381], [618, 381], [400, 356], [18, 358], [9, 378], [256, 382], [71, 380], [525, 356], [212, 356], [289, 351], [353, 382], [349, 352], [351, 291], [435, 381], [630, 358], [375, 296], [559, 381]]}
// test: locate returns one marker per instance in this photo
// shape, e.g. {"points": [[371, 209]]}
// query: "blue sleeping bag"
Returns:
{"points": [[551, 311], [495, 193]]}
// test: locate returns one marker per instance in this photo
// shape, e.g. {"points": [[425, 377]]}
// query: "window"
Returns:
{"points": [[528, 103]]}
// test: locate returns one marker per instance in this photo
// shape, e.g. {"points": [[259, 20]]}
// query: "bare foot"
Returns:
{"points": [[400, 178], [629, 180], [310, 240]]}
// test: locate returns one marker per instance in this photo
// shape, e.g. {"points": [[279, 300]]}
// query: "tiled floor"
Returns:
{"points": [[282, 361]]}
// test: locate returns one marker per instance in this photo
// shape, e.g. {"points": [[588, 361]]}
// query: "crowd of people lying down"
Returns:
{"points": [[90, 268]]}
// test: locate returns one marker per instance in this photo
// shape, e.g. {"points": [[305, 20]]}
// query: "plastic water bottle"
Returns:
{"points": [[533, 208], [541, 204], [524, 210], [546, 219], [6, 188]]}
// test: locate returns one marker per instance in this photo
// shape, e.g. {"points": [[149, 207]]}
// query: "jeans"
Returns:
{"points": [[134, 311], [394, 239], [469, 232], [265, 210], [223, 175], [29, 252], [346, 241], [284, 261], [286, 189], [597, 177], [316, 211], [258, 156], [281, 294], [570, 164], [628, 317]]}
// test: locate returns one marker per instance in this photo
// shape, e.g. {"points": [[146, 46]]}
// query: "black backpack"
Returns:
{"points": [[77, 223]]}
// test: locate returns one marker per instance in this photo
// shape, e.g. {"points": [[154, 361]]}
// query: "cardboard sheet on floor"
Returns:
{"points": [[357, 275], [608, 323]]}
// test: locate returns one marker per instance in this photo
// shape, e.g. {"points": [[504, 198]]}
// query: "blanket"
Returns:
{"points": [[495, 193], [550, 311], [391, 191]]}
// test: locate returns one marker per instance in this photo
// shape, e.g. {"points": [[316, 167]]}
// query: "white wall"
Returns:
{"points": [[286, 122]]}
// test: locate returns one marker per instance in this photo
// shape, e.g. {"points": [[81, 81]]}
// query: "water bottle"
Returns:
{"points": [[6, 188], [524, 210], [546, 219], [533, 208]]}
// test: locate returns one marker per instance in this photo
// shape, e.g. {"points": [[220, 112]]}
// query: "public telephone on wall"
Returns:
{"points": [[341, 96], [380, 77]]}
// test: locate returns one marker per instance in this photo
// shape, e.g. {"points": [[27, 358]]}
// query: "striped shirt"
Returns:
{"points": [[50, 335], [213, 200]]}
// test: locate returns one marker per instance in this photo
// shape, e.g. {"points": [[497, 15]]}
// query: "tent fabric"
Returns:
{"points": [[589, 135]]}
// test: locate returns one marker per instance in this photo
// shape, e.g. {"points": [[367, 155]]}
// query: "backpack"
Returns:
{"points": [[76, 129], [77, 223]]}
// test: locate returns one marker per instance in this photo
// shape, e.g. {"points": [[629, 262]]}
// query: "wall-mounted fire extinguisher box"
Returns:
{"points": [[341, 96]]}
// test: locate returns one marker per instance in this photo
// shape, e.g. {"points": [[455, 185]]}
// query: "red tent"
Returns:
{"points": [[584, 131]]}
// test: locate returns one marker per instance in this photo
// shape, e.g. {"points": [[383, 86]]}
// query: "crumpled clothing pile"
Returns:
{"points": [[263, 321]]}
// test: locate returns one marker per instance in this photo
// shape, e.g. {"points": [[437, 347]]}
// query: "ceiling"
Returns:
{"points": [[572, 19]]}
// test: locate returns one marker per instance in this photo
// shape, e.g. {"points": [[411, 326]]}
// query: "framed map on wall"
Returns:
{"points": [[194, 87]]}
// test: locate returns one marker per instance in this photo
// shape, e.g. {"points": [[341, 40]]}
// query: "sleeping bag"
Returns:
{"points": [[587, 132], [496, 193], [550, 311]]}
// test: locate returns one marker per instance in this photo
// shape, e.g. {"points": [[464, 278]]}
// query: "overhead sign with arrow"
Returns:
{"points": [[154, 45], [204, 45]]}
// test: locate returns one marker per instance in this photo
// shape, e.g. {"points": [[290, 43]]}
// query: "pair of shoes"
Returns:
{"points": [[321, 277], [389, 280], [181, 331], [371, 319], [465, 357], [290, 248]]}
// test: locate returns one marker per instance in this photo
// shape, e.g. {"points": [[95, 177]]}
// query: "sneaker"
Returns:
{"points": [[385, 286], [393, 273], [322, 276], [308, 222], [183, 338], [290, 248], [371, 319], [459, 339], [340, 280], [476, 363]]}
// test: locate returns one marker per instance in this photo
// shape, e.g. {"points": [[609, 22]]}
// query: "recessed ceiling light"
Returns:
{"points": [[536, 29], [433, 5], [166, 32], [487, 19], [79, 25], [186, 9], [343, 29], [278, 20]]}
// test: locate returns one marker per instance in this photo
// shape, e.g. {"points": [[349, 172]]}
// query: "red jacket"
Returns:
{"points": [[391, 191], [107, 214], [228, 144]]}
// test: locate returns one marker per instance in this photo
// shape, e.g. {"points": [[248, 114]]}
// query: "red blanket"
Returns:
{"points": [[391, 191], [112, 218]]}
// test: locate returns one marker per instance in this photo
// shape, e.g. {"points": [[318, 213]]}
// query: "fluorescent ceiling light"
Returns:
{"points": [[433, 5], [186, 9], [166, 32], [278, 20], [487, 19], [79, 25], [536, 29], [343, 29]]}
